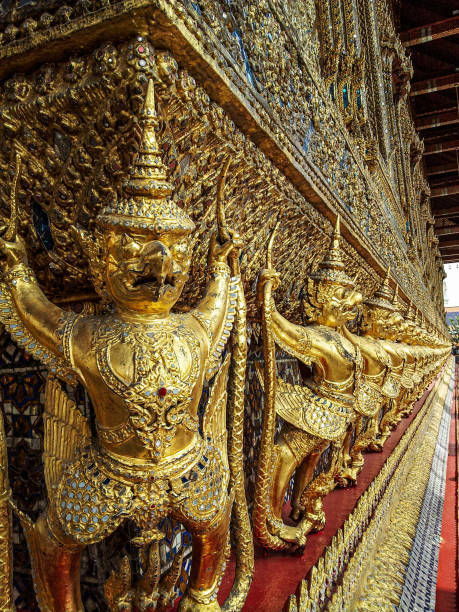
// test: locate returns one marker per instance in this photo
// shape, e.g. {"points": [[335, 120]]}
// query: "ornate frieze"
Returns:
{"points": [[265, 56]]}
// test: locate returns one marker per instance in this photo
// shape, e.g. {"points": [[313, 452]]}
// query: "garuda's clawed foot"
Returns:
{"points": [[197, 602], [312, 522], [347, 477], [293, 535], [296, 513], [376, 446]]}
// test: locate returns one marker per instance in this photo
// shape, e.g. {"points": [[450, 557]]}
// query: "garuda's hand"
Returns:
{"points": [[12, 252], [265, 276], [226, 252]]}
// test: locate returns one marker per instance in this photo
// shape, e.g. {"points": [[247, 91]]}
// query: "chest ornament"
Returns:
{"points": [[166, 369]]}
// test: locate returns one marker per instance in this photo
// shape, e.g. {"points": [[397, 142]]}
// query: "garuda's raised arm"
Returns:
{"points": [[35, 323], [294, 339], [217, 308]]}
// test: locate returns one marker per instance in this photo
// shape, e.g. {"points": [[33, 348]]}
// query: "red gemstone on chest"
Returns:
{"points": [[141, 49], [162, 391]]}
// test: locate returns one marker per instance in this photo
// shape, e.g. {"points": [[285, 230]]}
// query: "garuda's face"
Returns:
{"points": [[409, 332], [146, 275], [393, 324], [338, 304], [380, 322]]}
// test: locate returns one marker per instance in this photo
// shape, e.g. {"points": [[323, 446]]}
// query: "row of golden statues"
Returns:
{"points": [[144, 368]]}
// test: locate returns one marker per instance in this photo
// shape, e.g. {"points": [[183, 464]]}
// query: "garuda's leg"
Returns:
{"points": [[372, 431], [365, 433], [408, 405], [390, 421], [293, 448], [375, 444], [303, 476], [313, 496], [81, 511], [210, 547], [345, 468], [56, 565]]}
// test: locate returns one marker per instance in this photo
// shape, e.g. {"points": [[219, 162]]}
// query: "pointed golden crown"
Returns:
{"points": [[145, 205], [331, 269], [410, 315], [382, 297], [395, 300]]}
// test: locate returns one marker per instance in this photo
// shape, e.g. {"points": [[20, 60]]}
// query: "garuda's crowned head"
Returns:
{"points": [[410, 331], [145, 235], [331, 295], [380, 318]]}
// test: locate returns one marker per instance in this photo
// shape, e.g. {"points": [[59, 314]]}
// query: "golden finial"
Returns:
{"points": [[384, 290], [332, 267], [410, 315], [333, 258], [395, 300], [336, 235], [382, 297], [146, 205], [148, 175]]}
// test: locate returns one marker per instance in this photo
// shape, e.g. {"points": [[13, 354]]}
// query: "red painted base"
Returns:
{"points": [[278, 574]]}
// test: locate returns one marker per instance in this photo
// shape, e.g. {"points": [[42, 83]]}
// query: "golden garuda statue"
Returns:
{"points": [[370, 395], [144, 368], [382, 321], [378, 386], [315, 415]]}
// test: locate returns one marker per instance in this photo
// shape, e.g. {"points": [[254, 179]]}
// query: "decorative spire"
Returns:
{"points": [[410, 315], [383, 295], [148, 175], [395, 300], [333, 258], [332, 267], [146, 205]]}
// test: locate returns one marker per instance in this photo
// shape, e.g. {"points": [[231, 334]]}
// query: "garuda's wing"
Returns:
{"points": [[65, 431], [290, 399], [214, 423]]}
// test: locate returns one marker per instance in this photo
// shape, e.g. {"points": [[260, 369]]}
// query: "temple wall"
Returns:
{"points": [[308, 100]]}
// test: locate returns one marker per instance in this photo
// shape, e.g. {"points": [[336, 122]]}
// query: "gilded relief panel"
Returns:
{"points": [[78, 150]]}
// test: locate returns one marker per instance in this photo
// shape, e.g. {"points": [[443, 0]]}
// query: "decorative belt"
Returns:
{"points": [[325, 390], [122, 433], [391, 386], [369, 398], [130, 468]]}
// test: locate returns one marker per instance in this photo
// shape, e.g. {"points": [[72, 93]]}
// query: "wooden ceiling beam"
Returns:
{"points": [[442, 169], [441, 147], [444, 190], [445, 118], [441, 83], [436, 111], [447, 231], [431, 31], [453, 211], [447, 245]]}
